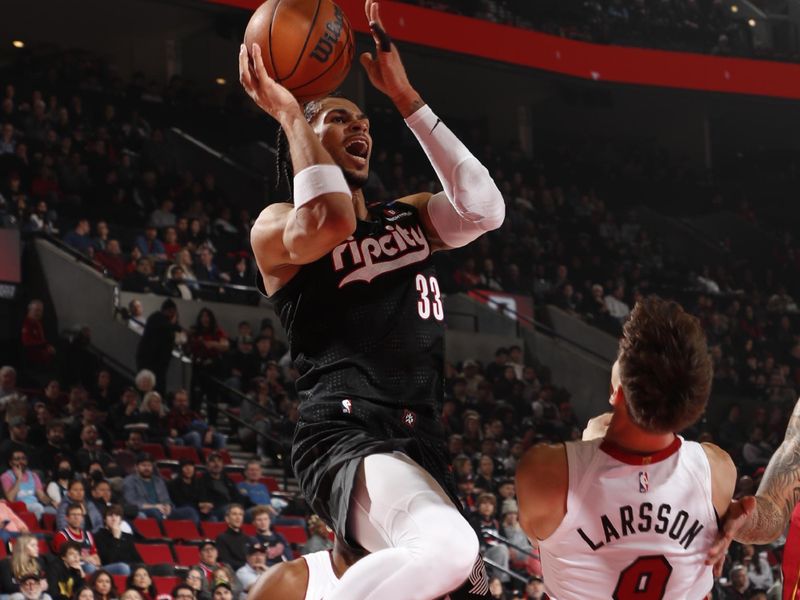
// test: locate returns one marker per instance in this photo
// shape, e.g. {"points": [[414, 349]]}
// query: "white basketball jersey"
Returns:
{"points": [[637, 527], [321, 577]]}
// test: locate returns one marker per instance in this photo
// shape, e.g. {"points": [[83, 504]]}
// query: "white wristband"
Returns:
{"points": [[316, 180]]}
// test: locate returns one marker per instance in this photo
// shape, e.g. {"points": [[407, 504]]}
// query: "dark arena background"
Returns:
{"points": [[642, 147]]}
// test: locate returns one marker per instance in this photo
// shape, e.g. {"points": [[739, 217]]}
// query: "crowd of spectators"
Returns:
{"points": [[708, 26], [67, 171]]}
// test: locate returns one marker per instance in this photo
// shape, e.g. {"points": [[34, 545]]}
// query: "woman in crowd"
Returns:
{"points": [[85, 593], [131, 595], [57, 488], [318, 539], [114, 546], [196, 579], [102, 584], [153, 412], [225, 575], [208, 343], [140, 581], [183, 259], [25, 560], [496, 591]]}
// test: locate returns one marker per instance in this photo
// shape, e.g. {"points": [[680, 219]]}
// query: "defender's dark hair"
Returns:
{"points": [[664, 366], [283, 161]]}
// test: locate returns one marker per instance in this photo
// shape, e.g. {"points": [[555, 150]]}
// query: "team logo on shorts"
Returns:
{"points": [[409, 418], [644, 482], [347, 407]]}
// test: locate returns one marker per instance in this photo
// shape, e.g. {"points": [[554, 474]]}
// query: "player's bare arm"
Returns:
{"points": [[542, 482], [470, 204], [779, 491], [286, 235], [287, 581]]}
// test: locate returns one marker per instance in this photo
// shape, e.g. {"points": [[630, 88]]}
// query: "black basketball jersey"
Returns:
{"points": [[367, 320]]}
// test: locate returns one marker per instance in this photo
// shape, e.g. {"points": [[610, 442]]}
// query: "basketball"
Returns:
{"points": [[307, 45]]}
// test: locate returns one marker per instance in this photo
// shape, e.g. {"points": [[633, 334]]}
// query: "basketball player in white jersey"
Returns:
{"points": [[634, 514]]}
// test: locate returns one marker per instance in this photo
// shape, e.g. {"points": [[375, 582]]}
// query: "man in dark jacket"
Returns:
{"points": [[232, 543], [218, 490], [186, 489], [155, 348]]}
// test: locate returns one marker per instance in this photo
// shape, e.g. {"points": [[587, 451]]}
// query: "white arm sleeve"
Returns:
{"points": [[471, 204]]}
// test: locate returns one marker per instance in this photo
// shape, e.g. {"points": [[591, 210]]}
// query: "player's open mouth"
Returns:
{"points": [[358, 148]]}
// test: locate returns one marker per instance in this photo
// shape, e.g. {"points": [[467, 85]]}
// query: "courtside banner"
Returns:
{"points": [[596, 62]]}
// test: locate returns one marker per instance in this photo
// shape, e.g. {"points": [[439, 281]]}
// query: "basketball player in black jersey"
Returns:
{"points": [[357, 293]]}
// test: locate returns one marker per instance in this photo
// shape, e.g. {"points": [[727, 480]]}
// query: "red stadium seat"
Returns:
{"points": [[164, 585], [212, 530], [187, 555], [18, 507], [184, 452], [236, 476], [30, 521], [180, 529], [48, 522], [155, 450], [44, 547], [294, 534], [155, 554], [166, 473], [3, 551], [120, 582], [271, 483], [148, 528]]}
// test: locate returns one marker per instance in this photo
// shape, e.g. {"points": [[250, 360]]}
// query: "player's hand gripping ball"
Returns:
{"points": [[307, 45]]}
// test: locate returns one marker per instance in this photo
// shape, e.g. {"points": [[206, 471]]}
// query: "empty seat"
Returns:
{"points": [[294, 534], [30, 521], [155, 450], [271, 483], [187, 555], [48, 522], [148, 528], [212, 530], [155, 554], [184, 452], [236, 476], [164, 585], [120, 582], [18, 507], [180, 529]]}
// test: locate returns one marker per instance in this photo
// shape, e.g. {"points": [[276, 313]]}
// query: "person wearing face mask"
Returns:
{"points": [[57, 488]]}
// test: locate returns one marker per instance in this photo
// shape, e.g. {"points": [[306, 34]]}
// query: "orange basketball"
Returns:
{"points": [[307, 45]]}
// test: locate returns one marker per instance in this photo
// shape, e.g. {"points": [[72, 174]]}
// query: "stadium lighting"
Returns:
{"points": [[751, 22], [734, 8], [220, 81], [18, 44]]}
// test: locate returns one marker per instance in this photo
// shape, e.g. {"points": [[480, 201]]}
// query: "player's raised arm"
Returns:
{"points": [[471, 204], [323, 213], [779, 491]]}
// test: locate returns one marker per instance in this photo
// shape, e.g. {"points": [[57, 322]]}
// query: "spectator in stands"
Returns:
{"points": [[148, 491], [512, 531], [20, 484], [759, 571], [76, 494], [115, 547], [485, 479], [126, 457], [175, 284], [130, 594], [615, 303], [232, 543], [141, 581], [136, 317], [143, 280], [65, 576], [11, 526], [8, 143], [189, 426], [171, 244], [42, 219], [278, 548], [164, 215], [207, 270], [18, 440], [155, 348], [255, 566], [197, 580], [8, 386], [535, 589], [740, 588], [25, 560], [62, 475], [496, 591], [731, 432], [91, 450], [79, 238], [184, 260], [149, 244], [208, 343], [38, 351], [209, 559], [319, 536], [31, 587], [186, 488], [103, 586], [223, 590], [125, 414], [183, 591], [487, 527], [153, 413], [112, 259], [252, 488], [76, 532], [218, 490], [756, 452]]}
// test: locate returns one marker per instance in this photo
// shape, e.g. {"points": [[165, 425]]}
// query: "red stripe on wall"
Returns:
{"points": [[577, 59]]}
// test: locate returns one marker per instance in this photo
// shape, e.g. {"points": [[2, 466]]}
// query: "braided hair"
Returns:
{"points": [[283, 161]]}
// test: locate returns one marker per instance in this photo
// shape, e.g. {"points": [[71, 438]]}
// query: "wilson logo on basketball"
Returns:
{"points": [[373, 256], [333, 31]]}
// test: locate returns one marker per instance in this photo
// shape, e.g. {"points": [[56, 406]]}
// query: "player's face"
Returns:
{"points": [[343, 130]]}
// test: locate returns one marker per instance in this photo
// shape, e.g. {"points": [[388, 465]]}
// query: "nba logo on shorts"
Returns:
{"points": [[644, 482], [347, 407]]}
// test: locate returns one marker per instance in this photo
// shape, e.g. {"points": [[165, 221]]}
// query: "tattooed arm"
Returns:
{"points": [[779, 490]]}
